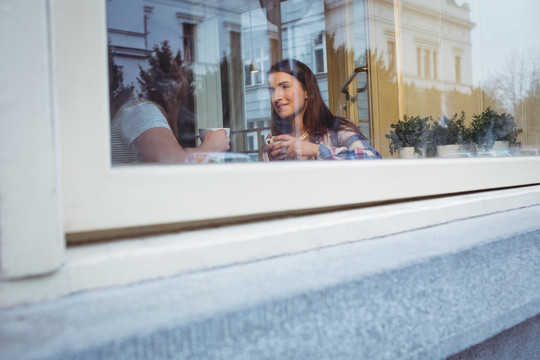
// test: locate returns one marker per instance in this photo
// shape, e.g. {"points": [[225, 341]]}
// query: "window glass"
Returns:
{"points": [[470, 82], [426, 76]]}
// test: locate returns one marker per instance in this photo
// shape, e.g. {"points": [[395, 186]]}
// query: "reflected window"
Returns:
{"points": [[427, 64], [458, 69], [435, 70], [418, 62], [319, 53], [188, 40], [391, 46]]}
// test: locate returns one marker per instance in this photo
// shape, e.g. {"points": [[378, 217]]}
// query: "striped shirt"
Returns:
{"points": [[134, 118]]}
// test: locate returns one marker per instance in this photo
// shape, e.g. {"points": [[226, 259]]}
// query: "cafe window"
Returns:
{"points": [[207, 62]]}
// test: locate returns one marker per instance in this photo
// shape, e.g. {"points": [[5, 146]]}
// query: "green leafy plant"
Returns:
{"points": [[489, 126], [447, 132], [410, 132]]}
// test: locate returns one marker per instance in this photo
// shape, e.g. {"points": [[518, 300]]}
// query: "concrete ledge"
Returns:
{"points": [[427, 293]]}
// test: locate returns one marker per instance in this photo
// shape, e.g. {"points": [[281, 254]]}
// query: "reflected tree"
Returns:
{"points": [[116, 77], [168, 81], [118, 92], [517, 90]]}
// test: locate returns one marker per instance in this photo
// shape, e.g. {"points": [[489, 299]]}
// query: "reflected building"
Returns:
{"points": [[421, 57], [435, 51]]}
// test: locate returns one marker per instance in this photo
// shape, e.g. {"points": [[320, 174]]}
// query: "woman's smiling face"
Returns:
{"points": [[287, 95]]}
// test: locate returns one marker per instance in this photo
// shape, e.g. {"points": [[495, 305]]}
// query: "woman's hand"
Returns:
{"points": [[269, 148], [286, 146], [215, 141]]}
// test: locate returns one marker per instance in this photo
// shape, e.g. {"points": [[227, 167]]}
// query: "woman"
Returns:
{"points": [[302, 125], [143, 132]]}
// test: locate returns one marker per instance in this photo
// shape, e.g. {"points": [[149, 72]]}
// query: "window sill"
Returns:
{"points": [[96, 266]]}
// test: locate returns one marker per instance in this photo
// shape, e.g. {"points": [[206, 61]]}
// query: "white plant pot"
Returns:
{"points": [[407, 153], [500, 148], [449, 151]]}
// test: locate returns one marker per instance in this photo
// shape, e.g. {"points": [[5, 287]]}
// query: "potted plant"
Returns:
{"points": [[408, 137], [447, 136], [493, 132]]}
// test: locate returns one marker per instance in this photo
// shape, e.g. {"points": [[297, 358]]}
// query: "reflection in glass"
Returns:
{"points": [[378, 63], [458, 64]]}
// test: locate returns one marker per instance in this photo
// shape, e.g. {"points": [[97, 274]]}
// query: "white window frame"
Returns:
{"points": [[98, 197], [68, 103]]}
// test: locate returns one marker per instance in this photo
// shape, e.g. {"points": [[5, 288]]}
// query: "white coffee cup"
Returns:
{"points": [[271, 140], [203, 131]]}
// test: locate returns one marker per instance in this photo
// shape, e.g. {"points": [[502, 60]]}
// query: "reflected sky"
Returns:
{"points": [[502, 35]]}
